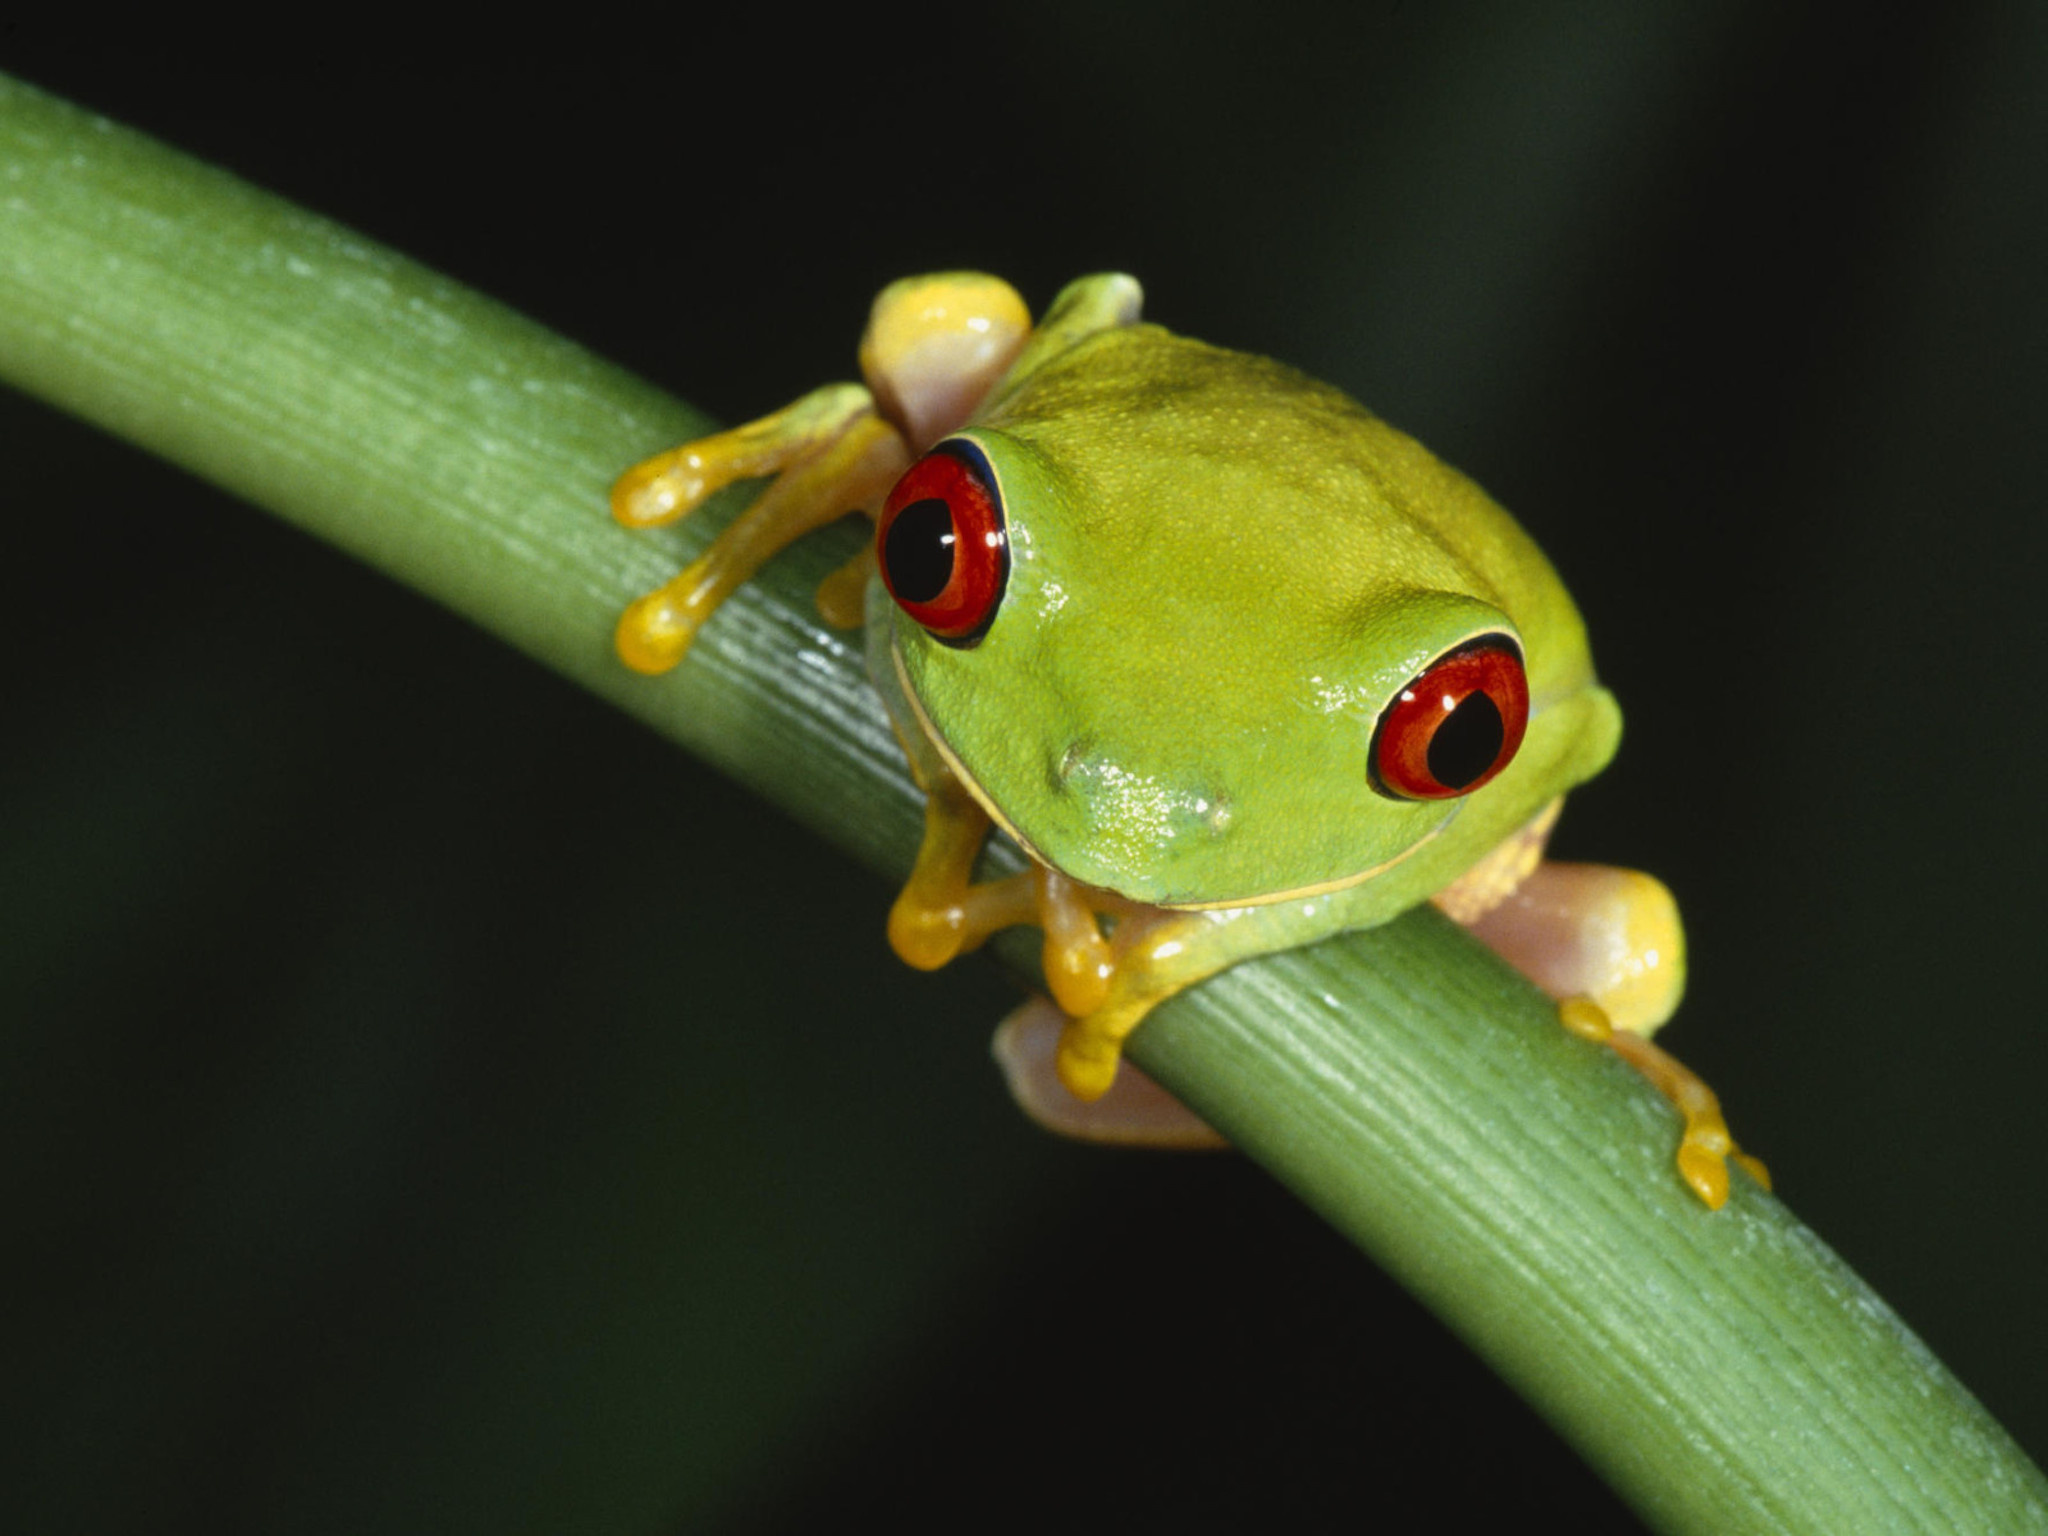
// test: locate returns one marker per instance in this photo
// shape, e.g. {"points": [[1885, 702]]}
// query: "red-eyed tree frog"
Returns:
{"points": [[1236, 664]]}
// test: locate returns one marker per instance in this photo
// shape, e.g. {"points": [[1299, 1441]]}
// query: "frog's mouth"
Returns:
{"points": [[1327, 887], [1299, 893]]}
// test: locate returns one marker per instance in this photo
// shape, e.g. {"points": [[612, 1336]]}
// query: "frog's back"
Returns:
{"points": [[1201, 475]]}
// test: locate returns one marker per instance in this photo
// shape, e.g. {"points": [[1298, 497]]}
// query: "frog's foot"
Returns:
{"points": [[1154, 952], [672, 485], [831, 454], [1108, 985], [1705, 1147], [1135, 1111], [940, 912]]}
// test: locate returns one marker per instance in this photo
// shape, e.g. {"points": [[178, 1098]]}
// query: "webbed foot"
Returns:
{"points": [[831, 455]]}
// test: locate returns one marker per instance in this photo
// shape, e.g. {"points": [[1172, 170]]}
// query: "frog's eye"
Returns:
{"points": [[1456, 726], [944, 554]]}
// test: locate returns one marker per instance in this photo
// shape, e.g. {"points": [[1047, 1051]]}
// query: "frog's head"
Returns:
{"points": [[1199, 630]]}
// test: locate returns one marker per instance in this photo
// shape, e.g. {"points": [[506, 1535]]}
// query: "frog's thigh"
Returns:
{"points": [[1586, 930], [1135, 1112], [936, 344]]}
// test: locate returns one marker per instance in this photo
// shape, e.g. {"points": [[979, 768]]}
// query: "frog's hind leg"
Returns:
{"points": [[1135, 1112], [1608, 944], [935, 345], [1586, 930]]}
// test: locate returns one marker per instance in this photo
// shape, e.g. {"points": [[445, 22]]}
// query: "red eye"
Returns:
{"points": [[1455, 726], [944, 553]]}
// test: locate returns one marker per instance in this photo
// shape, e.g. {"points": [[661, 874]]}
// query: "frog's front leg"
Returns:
{"points": [[941, 911], [934, 346], [831, 455]]}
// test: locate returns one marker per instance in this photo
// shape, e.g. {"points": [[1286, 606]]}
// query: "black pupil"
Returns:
{"points": [[919, 550], [1468, 741]]}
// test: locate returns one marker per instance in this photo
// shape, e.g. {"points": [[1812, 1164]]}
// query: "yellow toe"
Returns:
{"points": [[1086, 1066], [654, 633]]}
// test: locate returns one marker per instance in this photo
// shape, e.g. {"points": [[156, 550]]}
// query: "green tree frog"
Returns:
{"points": [[1236, 664]]}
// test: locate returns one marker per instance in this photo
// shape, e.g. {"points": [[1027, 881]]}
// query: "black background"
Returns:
{"points": [[359, 1175]]}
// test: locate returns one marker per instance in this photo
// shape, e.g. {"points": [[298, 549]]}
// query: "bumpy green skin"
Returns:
{"points": [[1222, 571]]}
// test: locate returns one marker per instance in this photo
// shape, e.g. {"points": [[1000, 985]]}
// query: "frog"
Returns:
{"points": [[1231, 662]]}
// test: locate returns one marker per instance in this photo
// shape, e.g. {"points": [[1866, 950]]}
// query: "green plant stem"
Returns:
{"points": [[1724, 1371]]}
